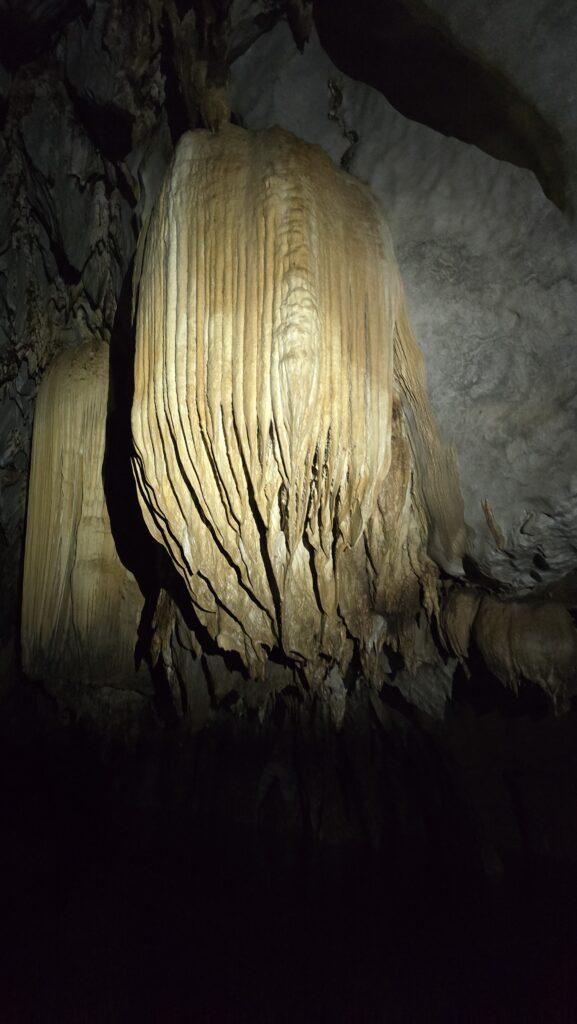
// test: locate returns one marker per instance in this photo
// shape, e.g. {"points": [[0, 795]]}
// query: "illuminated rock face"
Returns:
{"points": [[280, 419], [81, 607]]}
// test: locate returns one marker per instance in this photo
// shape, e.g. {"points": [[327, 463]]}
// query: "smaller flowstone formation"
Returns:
{"points": [[81, 606], [519, 641], [285, 451]]}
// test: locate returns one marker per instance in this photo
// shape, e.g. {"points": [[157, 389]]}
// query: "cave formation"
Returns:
{"points": [[288, 655], [272, 345], [81, 607]]}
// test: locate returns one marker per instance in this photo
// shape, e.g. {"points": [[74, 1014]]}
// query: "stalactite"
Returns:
{"points": [[531, 641], [286, 454]]}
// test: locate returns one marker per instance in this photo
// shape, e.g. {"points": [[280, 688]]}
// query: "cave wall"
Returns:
{"points": [[488, 263], [91, 111], [81, 98], [90, 108]]}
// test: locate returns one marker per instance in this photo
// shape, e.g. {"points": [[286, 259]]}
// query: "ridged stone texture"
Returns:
{"points": [[271, 451]]}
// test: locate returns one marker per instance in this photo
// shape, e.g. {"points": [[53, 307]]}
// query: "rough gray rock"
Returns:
{"points": [[489, 267], [113, 64], [4, 85], [66, 170], [533, 44]]}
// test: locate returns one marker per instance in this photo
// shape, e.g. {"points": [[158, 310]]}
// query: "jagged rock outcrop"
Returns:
{"points": [[286, 454], [519, 641], [81, 607]]}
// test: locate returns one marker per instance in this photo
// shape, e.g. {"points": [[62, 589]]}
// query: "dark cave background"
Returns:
{"points": [[401, 869]]}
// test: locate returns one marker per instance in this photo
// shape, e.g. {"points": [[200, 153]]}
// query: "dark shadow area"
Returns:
{"points": [[480, 689], [146, 559], [138, 551], [28, 28], [122, 900], [136, 548], [108, 127], [177, 115], [400, 48]]}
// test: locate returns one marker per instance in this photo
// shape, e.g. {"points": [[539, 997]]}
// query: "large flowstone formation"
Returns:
{"points": [[285, 452]]}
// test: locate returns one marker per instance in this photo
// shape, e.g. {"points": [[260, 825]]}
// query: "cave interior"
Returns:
{"points": [[191, 833]]}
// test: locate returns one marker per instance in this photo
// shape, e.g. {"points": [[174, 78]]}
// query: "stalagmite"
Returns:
{"points": [[81, 607], [285, 452]]}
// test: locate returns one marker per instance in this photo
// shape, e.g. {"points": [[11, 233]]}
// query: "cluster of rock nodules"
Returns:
{"points": [[286, 456]]}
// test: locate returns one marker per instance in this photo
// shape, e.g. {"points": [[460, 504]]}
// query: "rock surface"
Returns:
{"points": [[90, 113], [81, 607], [533, 45], [429, 775], [489, 267]]}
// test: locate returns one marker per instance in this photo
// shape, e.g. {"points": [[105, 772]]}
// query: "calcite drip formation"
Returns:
{"points": [[81, 606], [285, 452], [275, 376]]}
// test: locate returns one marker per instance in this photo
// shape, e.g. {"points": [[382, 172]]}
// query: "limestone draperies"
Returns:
{"points": [[280, 414]]}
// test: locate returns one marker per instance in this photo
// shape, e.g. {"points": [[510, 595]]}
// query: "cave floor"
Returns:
{"points": [[114, 912]]}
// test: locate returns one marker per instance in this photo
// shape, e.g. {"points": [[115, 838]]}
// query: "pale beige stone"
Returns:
{"points": [[81, 606]]}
